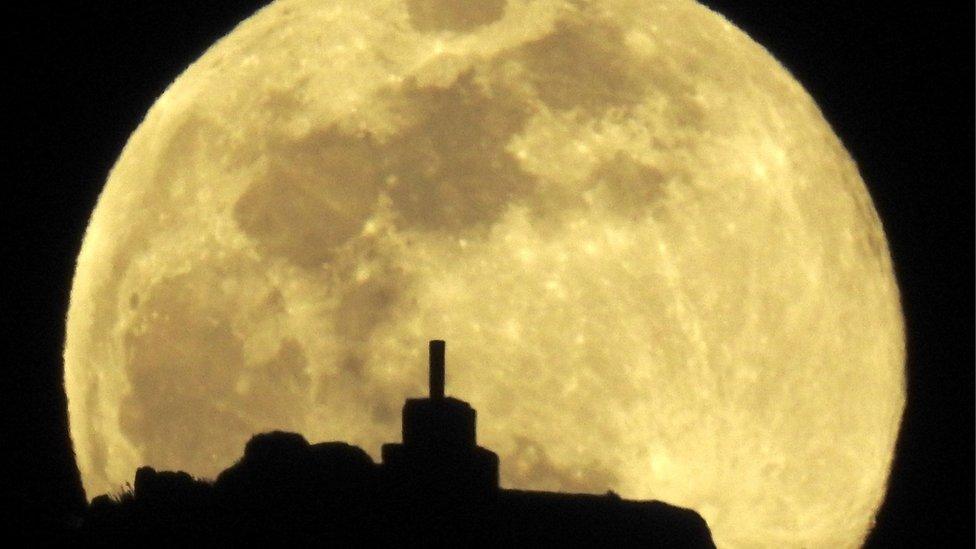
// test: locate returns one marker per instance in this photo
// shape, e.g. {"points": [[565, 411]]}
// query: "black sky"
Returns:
{"points": [[895, 80]]}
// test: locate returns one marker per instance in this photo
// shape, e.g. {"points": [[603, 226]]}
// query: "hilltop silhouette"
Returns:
{"points": [[436, 487]]}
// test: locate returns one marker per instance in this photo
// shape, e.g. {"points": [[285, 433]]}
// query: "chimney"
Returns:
{"points": [[436, 350]]}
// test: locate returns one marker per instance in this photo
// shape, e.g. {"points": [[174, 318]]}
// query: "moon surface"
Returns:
{"points": [[657, 268]]}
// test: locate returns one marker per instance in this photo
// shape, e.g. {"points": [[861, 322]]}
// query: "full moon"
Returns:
{"points": [[658, 270]]}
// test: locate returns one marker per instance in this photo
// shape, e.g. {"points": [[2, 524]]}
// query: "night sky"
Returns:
{"points": [[896, 83]]}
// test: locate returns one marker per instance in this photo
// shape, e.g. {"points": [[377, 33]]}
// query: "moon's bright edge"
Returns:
{"points": [[657, 268]]}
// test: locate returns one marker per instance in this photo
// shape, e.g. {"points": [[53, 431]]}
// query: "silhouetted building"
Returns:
{"points": [[440, 456], [436, 487]]}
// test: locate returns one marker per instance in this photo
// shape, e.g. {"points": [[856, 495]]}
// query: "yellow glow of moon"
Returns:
{"points": [[657, 267]]}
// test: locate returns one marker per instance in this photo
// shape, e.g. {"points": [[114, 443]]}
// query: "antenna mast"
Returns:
{"points": [[436, 351]]}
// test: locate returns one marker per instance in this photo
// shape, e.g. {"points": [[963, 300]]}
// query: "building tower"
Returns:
{"points": [[439, 456]]}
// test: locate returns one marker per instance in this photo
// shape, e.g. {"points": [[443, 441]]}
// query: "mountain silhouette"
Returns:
{"points": [[436, 487]]}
